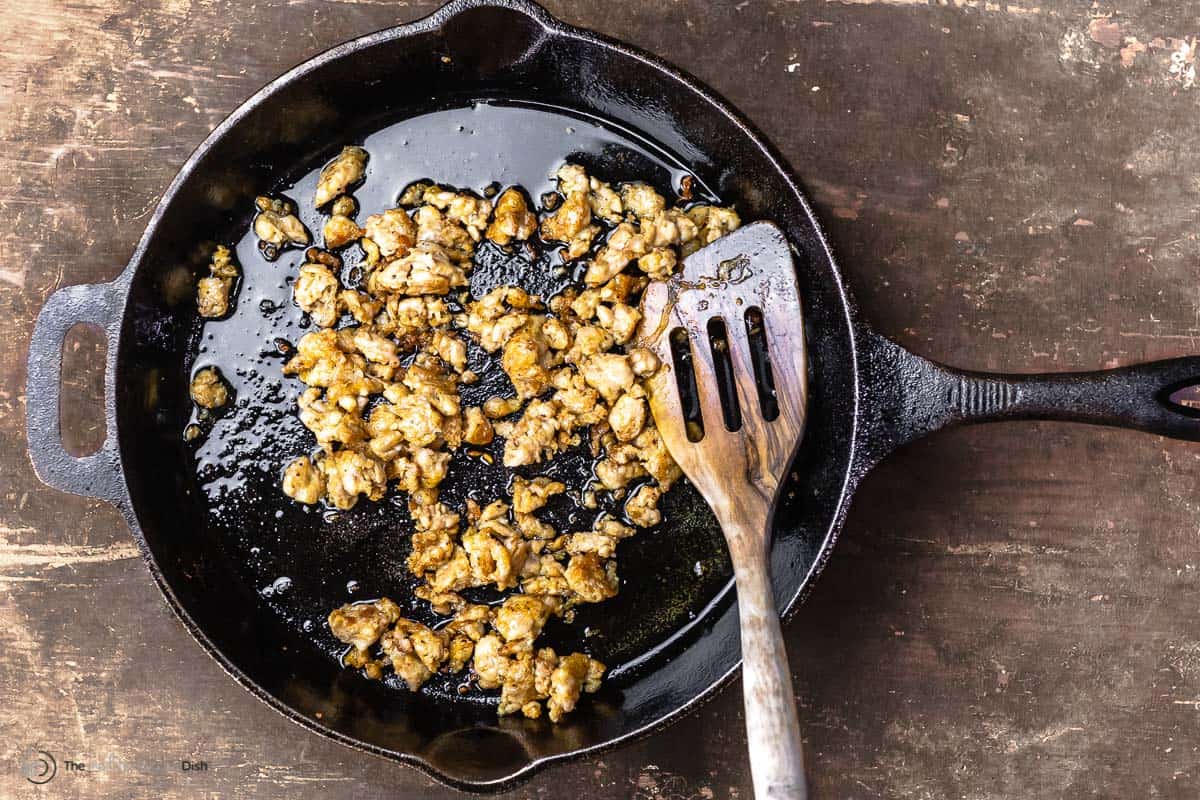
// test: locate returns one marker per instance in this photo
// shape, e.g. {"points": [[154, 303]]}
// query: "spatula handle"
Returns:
{"points": [[772, 729]]}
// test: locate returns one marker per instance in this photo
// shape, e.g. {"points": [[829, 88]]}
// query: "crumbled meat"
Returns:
{"points": [[592, 579], [425, 269], [642, 200], [414, 315], [415, 651], [556, 334], [303, 481], [449, 349], [493, 560], [349, 474], [628, 416], [340, 174], [414, 417], [383, 397], [320, 361], [499, 314], [414, 194], [500, 407], [361, 624], [570, 678], [520, 618], [208, 388], [277, 224], [530, 495], [340, 230], [652, 452], [434, 227], [713, 222], [427, 377], [212, 296], [605, 201], [330, 422], [374, 347], [620, 320], [642, 506], [643, 362], [316, 292], [601, 540], [624, 245], [609, 374], [671, 227], [572, 178], [363, 307], [513, 220], [393, 232], [466, 209], [489, 663], [589, 341], [616, 471], [525, 362], [535, 435], [477, 428], [571, 224], [659, 263], [212, 292]]}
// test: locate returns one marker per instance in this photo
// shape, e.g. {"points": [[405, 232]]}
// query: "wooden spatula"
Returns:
{"points": [[734, 309]]}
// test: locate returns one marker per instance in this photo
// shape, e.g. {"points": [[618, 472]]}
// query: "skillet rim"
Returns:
{"points": [[551, 27]]}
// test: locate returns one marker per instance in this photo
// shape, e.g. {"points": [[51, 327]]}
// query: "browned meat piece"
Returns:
{"points": [[212, 293], [340, 174], [208, 388], [361, 624]]}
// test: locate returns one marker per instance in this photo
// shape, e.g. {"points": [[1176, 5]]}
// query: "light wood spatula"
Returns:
{"points": [[732, 318]]}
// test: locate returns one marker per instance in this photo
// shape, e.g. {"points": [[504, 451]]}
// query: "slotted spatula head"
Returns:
{"points": [[744, 282]]}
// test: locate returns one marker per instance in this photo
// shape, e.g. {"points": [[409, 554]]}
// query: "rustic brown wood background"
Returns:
{"points": [[1013, 609]]}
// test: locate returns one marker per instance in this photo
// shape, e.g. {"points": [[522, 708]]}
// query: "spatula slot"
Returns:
{"points": [[764, 380], [718, 342], [685, 381]]}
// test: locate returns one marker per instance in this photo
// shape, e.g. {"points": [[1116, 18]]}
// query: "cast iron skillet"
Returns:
{"points": [[210, 541]]}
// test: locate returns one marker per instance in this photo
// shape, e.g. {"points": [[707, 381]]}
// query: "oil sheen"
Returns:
{"points": [[304, 561]]}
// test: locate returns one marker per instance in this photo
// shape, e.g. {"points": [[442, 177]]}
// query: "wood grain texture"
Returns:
{"points": [[1012, 609], [739, 471]]}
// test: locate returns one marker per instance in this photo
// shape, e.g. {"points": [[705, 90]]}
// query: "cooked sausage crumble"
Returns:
{"points": [[212, 292], [208, 388], [382, 369]]}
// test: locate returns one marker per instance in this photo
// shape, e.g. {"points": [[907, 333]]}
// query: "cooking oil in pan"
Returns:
{"points": [[304, 561]]}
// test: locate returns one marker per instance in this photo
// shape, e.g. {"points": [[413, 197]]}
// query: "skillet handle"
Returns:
{"points": [[907, 396], [99, 474]]}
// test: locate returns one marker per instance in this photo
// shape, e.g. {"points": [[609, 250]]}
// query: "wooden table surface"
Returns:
{"points": [[1012, 609]]}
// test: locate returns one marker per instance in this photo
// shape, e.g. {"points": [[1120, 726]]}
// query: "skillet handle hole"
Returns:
{"points": [[1185, 399], [81, 390]]}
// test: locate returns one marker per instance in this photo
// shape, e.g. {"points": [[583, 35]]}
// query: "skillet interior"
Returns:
{"points": [[215, 552], [303, 561]]}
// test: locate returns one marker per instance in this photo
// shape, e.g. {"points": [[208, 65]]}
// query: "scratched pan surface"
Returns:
{"points": [[479, 92]]}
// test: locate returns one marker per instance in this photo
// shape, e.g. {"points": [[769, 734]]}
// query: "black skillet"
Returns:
{"points": [[479, 91]]}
